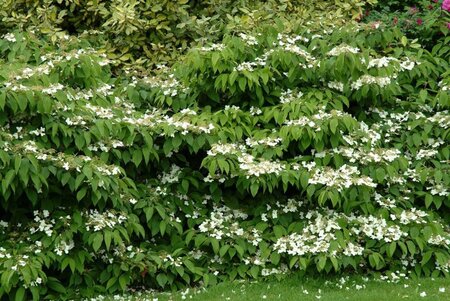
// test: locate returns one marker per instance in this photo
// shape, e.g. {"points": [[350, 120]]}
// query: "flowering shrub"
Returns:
{"points": [[272, 151], [426, 20]]}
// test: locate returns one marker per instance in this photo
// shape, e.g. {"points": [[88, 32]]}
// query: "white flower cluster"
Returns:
{"points": [[439, 189], [248, 39], [353, 250], [339, 86], [188, 111], [213, 47], [410, 216], [444, 87], [105, 89], [377, 228], [384, 61], [344, 177], [225, 149], [336, 51], [106, 146], [441, 118], [364, 156], [385, 202], [75, 120], [286, 39], [4, 253], [105, 113], [38, 132], [255, 260], [169, 86], [443, 267], [156, 118], [176, 262], [381, 62], [63, 160], [221, 223], [255, 111], [79, 95], [268, 141], [408, 64], [75, 54], [98, 221], [250, 66], [28, 72], [367, 79], [315, 237], [289, 96], [53, 88], [275, 271], [42, 223], [251, 167], [172, 176], [63, 247], [10, 37], [439, 240], [288, 44], [426, 153], [315, 120]]}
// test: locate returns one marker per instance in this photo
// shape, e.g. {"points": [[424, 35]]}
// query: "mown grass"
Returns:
{"points": [[298, 289]]}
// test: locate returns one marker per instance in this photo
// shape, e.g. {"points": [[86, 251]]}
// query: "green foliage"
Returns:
{"points": [[423, 20], [282, 149], [157, 31]]}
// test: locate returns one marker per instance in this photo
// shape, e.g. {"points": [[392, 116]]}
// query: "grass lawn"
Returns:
{"points": [[296, 288]]}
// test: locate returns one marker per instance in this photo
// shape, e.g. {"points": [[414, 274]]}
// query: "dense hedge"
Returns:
{"points": [[282, 149]]}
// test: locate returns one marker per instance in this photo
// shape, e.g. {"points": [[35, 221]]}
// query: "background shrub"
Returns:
{"points": [[155, 32]]}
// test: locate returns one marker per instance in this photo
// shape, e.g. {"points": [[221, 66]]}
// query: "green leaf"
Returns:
{"points": [[333, 125], [321, 263], [98, 239], [123, 281], [55, 285], [254, 188], [242, 83], [8, 179], [411, 247], [381, 174], [215, 58], [275, 258], [426, 257], [404, 41], [107, 237], [161, 279], [20, 294]]}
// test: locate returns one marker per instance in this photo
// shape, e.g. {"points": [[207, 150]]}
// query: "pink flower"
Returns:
{"points": [[446, 5], [448, 25], [419, 21]]}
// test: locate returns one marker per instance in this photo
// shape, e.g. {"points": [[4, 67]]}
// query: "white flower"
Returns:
{"points": [[423, 294], [336, 51], [9, 37], [367, 79]]}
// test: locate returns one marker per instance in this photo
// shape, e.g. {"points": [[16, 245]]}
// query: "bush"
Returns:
{"points": [[423, 20], [273, 151], [157, 31]]}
